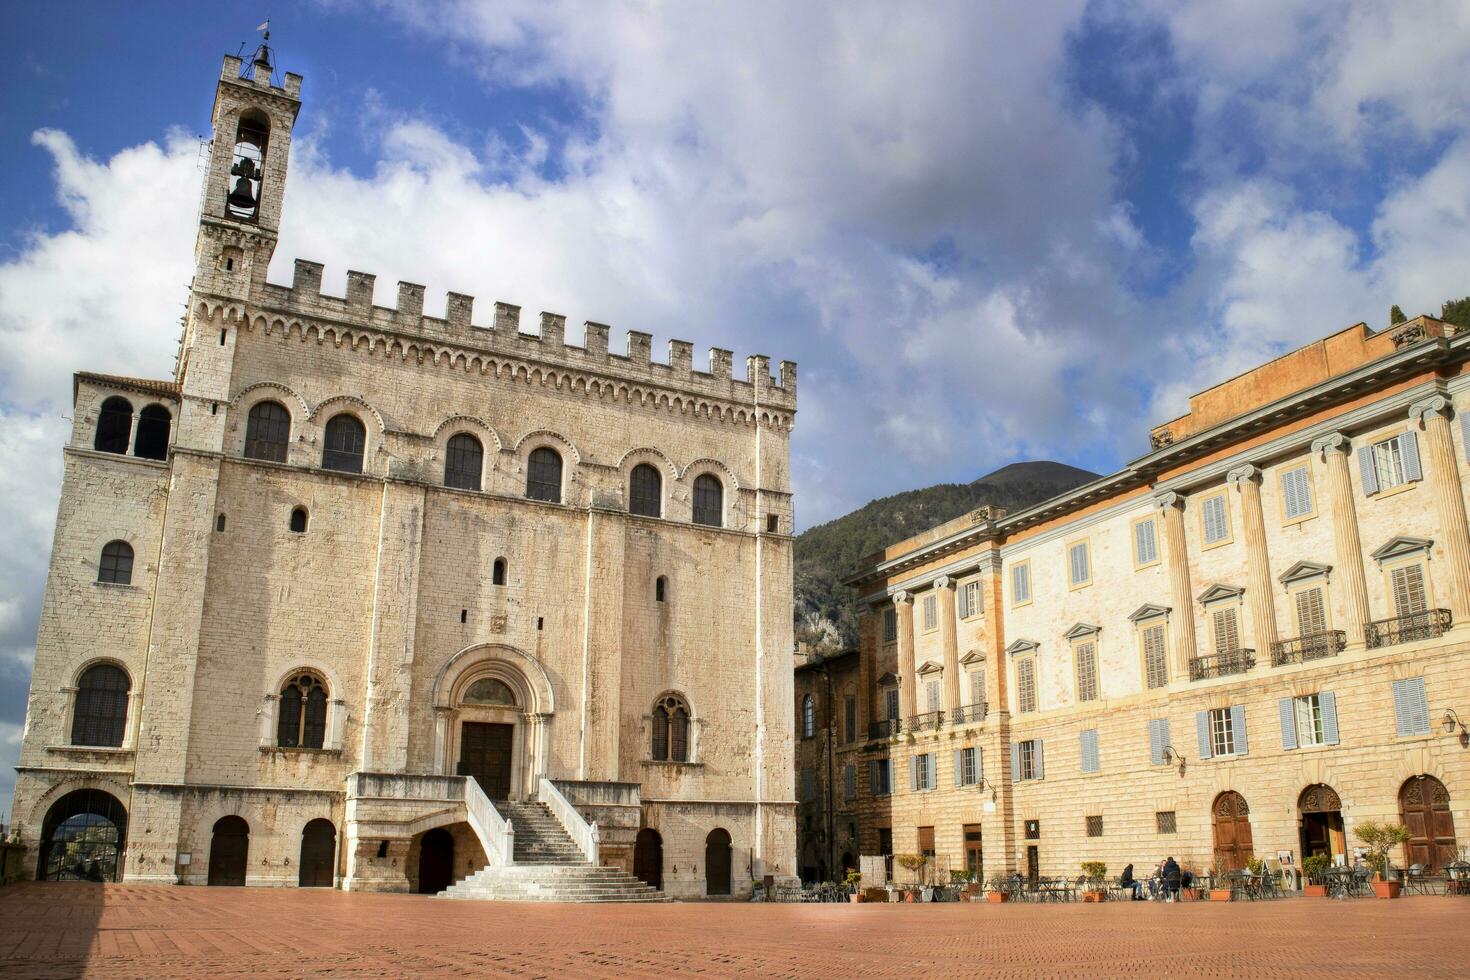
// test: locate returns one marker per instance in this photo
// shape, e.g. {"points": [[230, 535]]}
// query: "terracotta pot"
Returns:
{"points": [[1386, 889], [997, 897], [910, 896], [1094, 896], [855, 897], [1221, 895], [972, 889], [1314, 891]]}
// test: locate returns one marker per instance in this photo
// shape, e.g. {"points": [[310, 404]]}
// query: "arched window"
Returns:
{"points": [[82, 838], [463, 459], [116, 564], [152, 439], [660, 589], [808, 716], [247, 166], [709, 501], [342, 450], [298, 520], [101, 712], [267, 431], [497, 574], [114, 426], [671, 729], [302, 722], [543, 475], [645, 491]]}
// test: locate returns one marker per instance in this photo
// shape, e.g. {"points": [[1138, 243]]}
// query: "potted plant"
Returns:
{"points": [[1315, 868], [853, 880], [965, 883], [1380, 838], [1095, 889], [914, 864], [1220, 890], [997, 891]]}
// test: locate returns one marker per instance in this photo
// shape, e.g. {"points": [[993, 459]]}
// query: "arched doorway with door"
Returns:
{"points": [[1233, 844], [318, 854], [648, 858], [1424, 807], [229, 851], [436, 861], [717, 862], [83, 837], [492, 706], [1319, 812]]}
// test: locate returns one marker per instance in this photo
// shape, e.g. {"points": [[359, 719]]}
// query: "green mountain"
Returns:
{"points": [[826, 610]]}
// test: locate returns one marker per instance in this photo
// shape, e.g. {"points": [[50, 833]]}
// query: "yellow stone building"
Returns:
{"points": [[1244, 643]]}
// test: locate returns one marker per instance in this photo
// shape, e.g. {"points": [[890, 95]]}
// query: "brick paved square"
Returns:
{"points": [[141, 931]]}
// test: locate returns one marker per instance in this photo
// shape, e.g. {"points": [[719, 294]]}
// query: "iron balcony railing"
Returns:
{"points": [[967, 714], [885, 728], [930, 719], [1308, 647], [1222, 664], [1424, 625]]}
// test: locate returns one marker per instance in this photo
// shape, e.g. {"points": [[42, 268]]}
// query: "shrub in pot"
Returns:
{"points": [[853, 879], [1095, 889], [1315, 868], [1220, 890], [1380, 838]]}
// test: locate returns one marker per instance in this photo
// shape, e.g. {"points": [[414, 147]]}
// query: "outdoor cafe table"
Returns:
{"points": [[1457, 879]]}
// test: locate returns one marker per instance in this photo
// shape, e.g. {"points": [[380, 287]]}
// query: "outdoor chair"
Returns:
{"points": [[1457, 878], [1417, 880]]}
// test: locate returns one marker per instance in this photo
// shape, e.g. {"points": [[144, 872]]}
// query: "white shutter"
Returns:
{"points": [[1039, 763], [1145, 545], [1328, 703], [1237, 726], [1286, 707], [1409, 447], [1158, 738], [1465, 434], [1015, 761], [1202, 730], [964, 602], [1410, 706], [1296, 493], [1368, 469]]}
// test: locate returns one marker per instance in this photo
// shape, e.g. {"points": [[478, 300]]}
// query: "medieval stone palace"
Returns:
{"points": [[365, 597]]}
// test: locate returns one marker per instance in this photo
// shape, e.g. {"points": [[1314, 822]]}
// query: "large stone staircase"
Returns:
{"points": [[548, 867]]}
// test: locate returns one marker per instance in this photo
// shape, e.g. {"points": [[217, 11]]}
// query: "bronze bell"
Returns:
{"points": [[242, 198]]}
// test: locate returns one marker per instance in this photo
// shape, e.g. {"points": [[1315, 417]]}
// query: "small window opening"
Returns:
{"points": [[298, 520], [539, 622], [497, 576], [214, 408], [382, 848], [773, 523], [222, 335], [464, 615], [229, 267], [659, 585], [219, 522]]}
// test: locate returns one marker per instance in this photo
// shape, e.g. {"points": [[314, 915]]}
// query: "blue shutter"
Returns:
{"points": [[1410, 707], [1368, 470], [1402, 723], [1420, 705], [1084, 744], [888, 773], [1328, 702], [1409, 446], [1040, 766], [1158, 737], [1465, 434], [933, 759], [1237, 727], [914, 773], [979, 764], [873, 777], [959, 768], [1202, 729], [1287, 707], [1015, 761]]}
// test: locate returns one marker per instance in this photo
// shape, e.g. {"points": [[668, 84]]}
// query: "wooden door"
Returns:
{"points": [[1033, 862], [436, 861], [1233, 845], [717, 862], [229, 850], [648, 858], [484, 752], [1424, 805], [318, 849], [974, 853]]}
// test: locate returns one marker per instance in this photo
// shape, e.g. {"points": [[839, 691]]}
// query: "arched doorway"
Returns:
{"points": [[229, 850], [487, 744], [436, 861], [717, 862], [1424, 806], [1233, 846], [492, 707], [318, 849], [1320, 811], [648, 858], [82, 838], [848, 864]]}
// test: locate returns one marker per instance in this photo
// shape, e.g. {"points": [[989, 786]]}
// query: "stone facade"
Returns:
{"points": [[394, 592], [826, 794], [1245, 643]]}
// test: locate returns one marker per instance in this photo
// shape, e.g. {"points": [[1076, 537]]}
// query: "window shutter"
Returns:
{"points": [[1084, 749], [873, 776], [959, 771], [1016, 760], [1419, 706], [1409, 447], [914, 773], [1465, 433], [1327, 701], [964, 602], [979, 764], [1368, 469], [888, 774], [1310, 615], [1145, 545], [1237, 724], [1287, 709], [1156, 741], [1040, 766], [1296, 493], [931, 762], [1202, 729], [1409, 595]]}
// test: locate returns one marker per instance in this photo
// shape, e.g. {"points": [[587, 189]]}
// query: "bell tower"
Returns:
{"points": [[240, 214]]}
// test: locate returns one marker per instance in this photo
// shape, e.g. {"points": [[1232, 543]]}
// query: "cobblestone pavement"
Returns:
{"points": [[141, 931]]}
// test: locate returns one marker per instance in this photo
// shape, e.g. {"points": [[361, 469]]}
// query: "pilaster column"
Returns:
{"points": [[906, 679], [1171, 507], [945, 586], [1346, 541], [1444, 480], [1246, 480]]}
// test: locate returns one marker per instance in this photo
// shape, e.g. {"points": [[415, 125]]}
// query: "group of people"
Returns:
{"points": [[1163, 885]]}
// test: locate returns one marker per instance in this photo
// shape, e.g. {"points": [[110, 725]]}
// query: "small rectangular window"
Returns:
{"points": [[890, 625], [970, 606], [1166, 822], [1021, 583], [1145, 543], [1095, 825], [1222, 732], [773, 523], [1227, 630], [808, 784], [849, 783], [977, 686], [1027, 760], [849, 717], [1296, 492], [1085, 655], [1311, 611], [1409, 594], [890, 703], [969, 772], [1308, 720], [931, 611], [1155, 656], [923, 774], [1025, 686], [1214, 518], [1388, 461], [933, 696], [1079, 564]]}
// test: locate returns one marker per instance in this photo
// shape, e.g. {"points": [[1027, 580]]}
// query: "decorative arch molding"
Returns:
{"points": [[472, 424], [86, 665], [269, 386], [707, 465], [221, 309], [667, 467], [547, 437], [107, 784], [522, 672], [353, 400], [327, 674], [1318, 798]]}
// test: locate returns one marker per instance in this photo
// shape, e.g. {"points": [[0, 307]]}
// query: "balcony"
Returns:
{"points": [[1424, 625], [927, 721], [1308, 647], [1222, 664], [886, 728], [969, 714]]}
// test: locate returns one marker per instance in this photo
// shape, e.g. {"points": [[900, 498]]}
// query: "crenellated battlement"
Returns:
{"points": [[304, 299], [259, 76]]}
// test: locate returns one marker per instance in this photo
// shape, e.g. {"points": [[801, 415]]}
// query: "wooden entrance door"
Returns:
{"points": [[318, 848], [974, 853], [436, 861], [484, 752], [229, 849], [1233, 845], [1424, 805], [717, 862], [648, 858]]}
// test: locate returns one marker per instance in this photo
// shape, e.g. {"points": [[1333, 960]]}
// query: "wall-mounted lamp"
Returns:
{"points": [[1451, 722], [1170, 755], [983, 784]]}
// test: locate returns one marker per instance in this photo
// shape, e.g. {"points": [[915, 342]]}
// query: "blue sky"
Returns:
{"points": [[986, 231]]}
